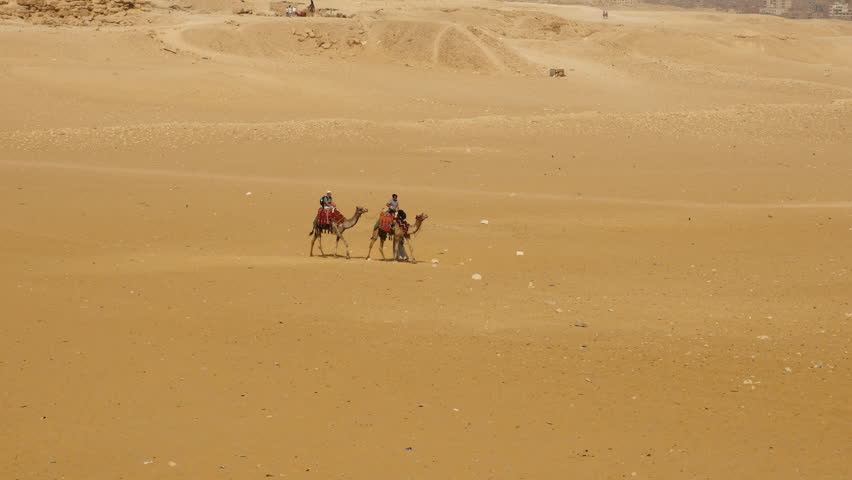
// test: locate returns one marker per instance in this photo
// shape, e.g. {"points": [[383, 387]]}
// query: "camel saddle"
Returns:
{"points": [[385, 222], [326, 217]]}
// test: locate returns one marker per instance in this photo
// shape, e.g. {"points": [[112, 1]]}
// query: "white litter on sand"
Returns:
{"points": [[519, 253], [484, 222], [476, 276]]}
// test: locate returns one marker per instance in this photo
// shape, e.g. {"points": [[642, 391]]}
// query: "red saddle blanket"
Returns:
{"points": [[327, 217], [385, 222]]}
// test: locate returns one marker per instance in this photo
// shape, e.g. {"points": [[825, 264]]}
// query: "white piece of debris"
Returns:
{"points": [[519, 253], [531, 285], [248, 194], [484, 222], [172, 463], [476, 276], [147, 462], [435, 260], [763, 337], [788, 369], [558, 310]]}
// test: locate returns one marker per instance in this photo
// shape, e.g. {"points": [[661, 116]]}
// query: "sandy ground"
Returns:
{"points": [[682, 198]]}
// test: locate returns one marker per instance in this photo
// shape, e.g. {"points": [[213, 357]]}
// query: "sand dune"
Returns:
{"points": [[681, 198]]}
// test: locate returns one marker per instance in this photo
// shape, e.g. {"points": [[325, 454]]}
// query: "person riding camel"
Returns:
{"points": [[393, 205], [327, 202], [328, 207]]}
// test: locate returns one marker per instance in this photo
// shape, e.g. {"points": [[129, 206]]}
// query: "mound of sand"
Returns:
{"points": [[414, 43], [278, 40], [535, 25], [457, 49], [431, 44]]}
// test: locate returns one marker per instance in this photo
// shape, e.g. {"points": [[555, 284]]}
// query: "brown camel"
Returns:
{"points": [[337, 229], [400, 235]]}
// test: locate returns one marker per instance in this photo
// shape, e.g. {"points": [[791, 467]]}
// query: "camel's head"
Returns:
{"points": [[361, 210], [421, 217]]}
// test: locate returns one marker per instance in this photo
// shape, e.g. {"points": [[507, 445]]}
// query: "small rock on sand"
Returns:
{"points": [[476, 276], [484, 222]]}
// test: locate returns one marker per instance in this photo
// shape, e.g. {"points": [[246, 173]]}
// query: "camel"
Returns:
{"points": [[400, 235], [336, 229]]}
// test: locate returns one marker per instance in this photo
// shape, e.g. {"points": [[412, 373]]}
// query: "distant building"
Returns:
{"points": [[840, 10], [807, 9], [745, 6], [777, 7], [616, 3]]}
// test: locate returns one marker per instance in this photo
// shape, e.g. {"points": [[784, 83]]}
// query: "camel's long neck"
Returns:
{"points": [[416, 227], [350, 222]]}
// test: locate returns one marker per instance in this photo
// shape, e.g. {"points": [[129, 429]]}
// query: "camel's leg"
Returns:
{"points": [[313, 240], [382, 247], [395, 248], [345, 244], [410, 249], [372, 241], [319, 237], [338, 234]]}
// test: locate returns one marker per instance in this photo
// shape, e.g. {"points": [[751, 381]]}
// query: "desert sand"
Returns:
{"points": [[681, 197]]}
